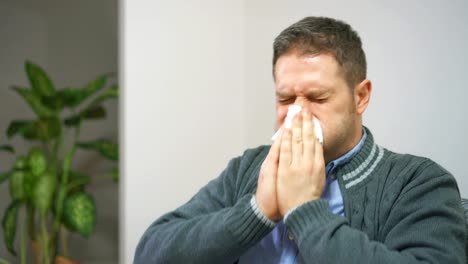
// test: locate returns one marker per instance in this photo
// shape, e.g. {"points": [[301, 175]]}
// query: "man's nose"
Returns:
{"points": [[300, 101]]}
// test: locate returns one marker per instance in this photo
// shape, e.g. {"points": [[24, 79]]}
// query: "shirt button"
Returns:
{"points": [[290, 237]]}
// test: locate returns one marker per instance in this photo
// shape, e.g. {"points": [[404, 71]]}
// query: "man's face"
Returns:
{"points": [[316, 83]]}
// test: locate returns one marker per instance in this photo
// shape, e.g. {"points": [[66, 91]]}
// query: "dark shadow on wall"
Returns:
{"points": [[74, 41]]}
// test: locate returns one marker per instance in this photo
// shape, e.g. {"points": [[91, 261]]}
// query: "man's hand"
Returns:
{"points": [[266, 188], [293, 173], [301, 168]]}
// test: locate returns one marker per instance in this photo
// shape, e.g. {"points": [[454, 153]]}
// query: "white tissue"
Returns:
{"points": [[292, 111]]}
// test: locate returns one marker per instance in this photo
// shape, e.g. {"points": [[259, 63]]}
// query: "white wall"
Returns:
{"points": [[183, 106], [205, 55]]}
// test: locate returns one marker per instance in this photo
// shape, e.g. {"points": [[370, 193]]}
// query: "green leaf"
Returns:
{"points": [[29, 183], [19, 127], [54, 102], [21, 163], [72, 121], [43, 129], [110, 93], [9, 225], [103, 146], [79, 213], [34, 101], [40, 81], [4, 176], [96, 85], [37, 161], [71, 97], [77, 180], [46, 129], [43, 193], [93, 112], [17, 185], [8, 148]]}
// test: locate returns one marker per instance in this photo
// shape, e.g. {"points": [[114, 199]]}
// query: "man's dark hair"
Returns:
{"points": [[314, 35]]}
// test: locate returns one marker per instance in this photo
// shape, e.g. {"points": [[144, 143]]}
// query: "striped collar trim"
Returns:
{"points": [[363, 163]]}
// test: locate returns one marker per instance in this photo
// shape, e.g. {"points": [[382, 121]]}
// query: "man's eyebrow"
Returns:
{"points": [[284, 93], [311, 93], [316, 92]]}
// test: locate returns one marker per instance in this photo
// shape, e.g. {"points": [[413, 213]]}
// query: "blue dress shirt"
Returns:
{"points": [[276, 247]]}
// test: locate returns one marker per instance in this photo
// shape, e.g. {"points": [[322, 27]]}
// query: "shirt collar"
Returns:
{"points": [[332, 165]]}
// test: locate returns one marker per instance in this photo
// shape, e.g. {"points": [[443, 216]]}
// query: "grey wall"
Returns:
{"points": [[199, 89], [74, 41]]}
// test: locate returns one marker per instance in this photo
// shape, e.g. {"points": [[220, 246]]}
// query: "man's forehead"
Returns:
{"points": [[314, 72], [311, 83]]}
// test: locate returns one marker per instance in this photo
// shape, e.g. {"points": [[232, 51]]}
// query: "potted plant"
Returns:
{"points": [[42, 181]]}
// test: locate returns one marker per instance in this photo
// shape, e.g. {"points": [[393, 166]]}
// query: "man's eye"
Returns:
{"points": [[317, 100], [285, 100]]}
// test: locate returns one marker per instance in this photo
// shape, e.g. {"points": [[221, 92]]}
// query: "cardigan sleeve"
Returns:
{"points": [[215, 226]]}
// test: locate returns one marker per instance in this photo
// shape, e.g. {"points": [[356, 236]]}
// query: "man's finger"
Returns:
{"points": [[319, 159], [319, 164], [273, 154], [285, 148], [296, 142], [308, 135]]}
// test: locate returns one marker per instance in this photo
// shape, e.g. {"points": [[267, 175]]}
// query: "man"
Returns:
{"points": [[298, 201]]}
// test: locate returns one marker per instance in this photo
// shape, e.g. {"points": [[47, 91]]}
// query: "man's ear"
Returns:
{"points": [[362, 93]]}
